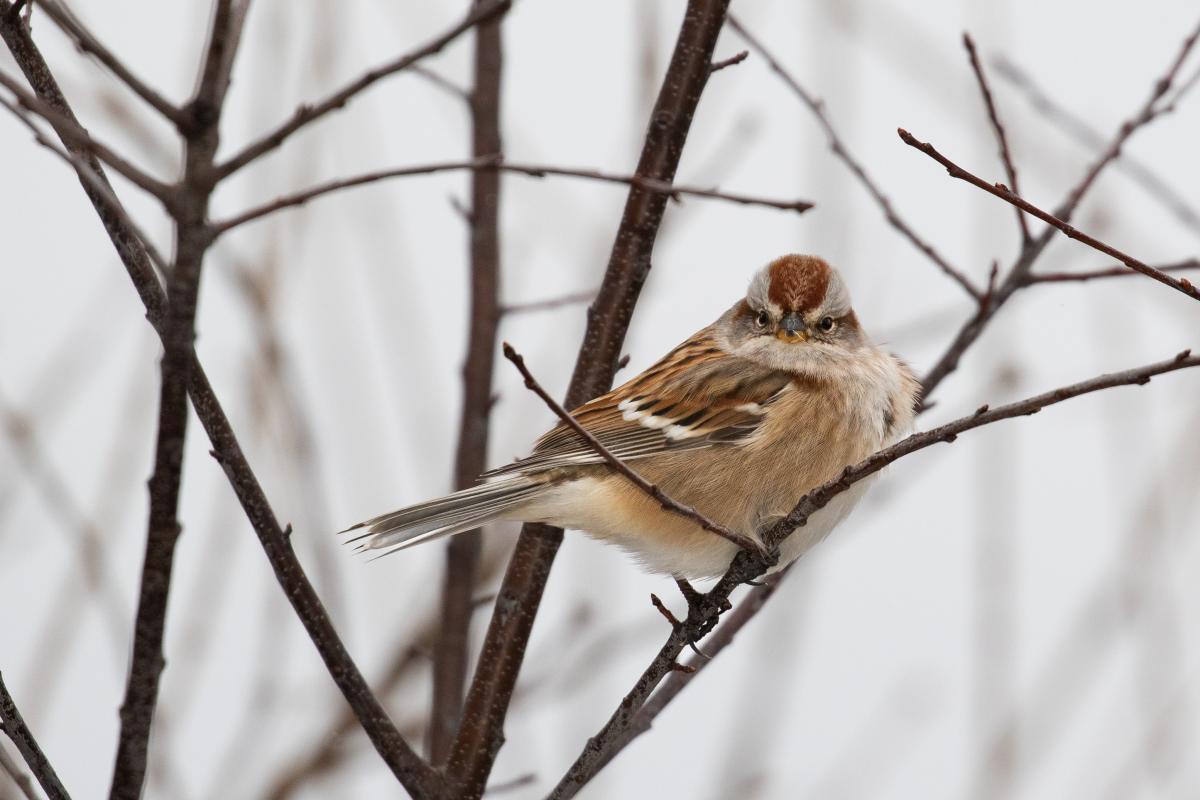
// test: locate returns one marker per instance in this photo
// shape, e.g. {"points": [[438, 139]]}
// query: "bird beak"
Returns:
{"points": [[791, 329]]}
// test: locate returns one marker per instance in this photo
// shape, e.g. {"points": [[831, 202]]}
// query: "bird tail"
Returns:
{"points": [[455, 513]]}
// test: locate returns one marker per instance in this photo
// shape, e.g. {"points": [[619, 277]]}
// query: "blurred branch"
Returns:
{"points": [[838, 148], [549, 304], [481, 734], [1010, 168], [22, 781], [86, 42], [190, 211], [1083, 133], [450, 653], [79, 140], [1111, 272], [494, 163], [400, 758], [1001, 191], [704, 609], [306, 114], [14, 727], [1017, 274], [617, 465]]}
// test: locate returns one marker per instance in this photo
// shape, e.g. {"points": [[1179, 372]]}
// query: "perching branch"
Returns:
{"points": [[493, 163], [481, 733], [746, 566], [307, 114], [15, 728], [740, 539], [1010, 169], [1001, 191], [838, 148]]}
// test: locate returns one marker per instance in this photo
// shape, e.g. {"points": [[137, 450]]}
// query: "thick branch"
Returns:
{"points": [[414, 774], [745, 566], [1010, 169], [306, 114], [450, 653], [493, 163], [1001, 191], [16, 729], [481, 733], [617, 465], [817, 107]]}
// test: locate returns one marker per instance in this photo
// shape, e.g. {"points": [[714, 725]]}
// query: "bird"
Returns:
{"points": [[777, 396]]}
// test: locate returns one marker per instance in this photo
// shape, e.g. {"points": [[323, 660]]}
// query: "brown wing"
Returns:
{"points": [[697, 396]]}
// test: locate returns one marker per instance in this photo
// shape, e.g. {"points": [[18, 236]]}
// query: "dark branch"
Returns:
{"points": [[16, 730], [450, 653], [481, 734], [1010, 169], [1001, 191], [306, 114], [817, 107], [739, 539], [492, 163]]}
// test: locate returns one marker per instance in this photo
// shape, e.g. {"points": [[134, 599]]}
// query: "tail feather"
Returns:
{"points": [[455, 513]]}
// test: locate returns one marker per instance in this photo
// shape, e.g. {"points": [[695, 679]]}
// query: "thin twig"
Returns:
{"points": [[817, 107], [451, 648], [733, 60], [1010, 169], [66, 20], [482, 732], [740, 539], [1001, 191], [306, 114], [1110, 272], [488, 163], [1017, 274], [746, 566], [18, 776], [16, 729], [1082, 132]]}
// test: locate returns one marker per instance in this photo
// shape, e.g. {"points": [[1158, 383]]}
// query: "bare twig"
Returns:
{"points": [[838, 148], [733, 60], [492, 163], [306, 114], [1082, 132], [1001, 191], [740, 539], [396, 753], [23, 782], [746, 566], [450, 652], [481, 733], [1110, 272], [1010, 169], [66, 20], [1016, 276], [15, 728]]}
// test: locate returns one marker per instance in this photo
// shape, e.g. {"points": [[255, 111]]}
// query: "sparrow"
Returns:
{"points": [[776, 397]]}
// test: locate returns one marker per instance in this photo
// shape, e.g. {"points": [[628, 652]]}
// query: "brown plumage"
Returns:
{"points": [[771, 400]]}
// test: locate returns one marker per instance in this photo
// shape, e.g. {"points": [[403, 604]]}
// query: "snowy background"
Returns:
{"points": [[1013, 615]]}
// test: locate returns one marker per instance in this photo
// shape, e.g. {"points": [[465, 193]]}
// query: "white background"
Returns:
{"points": [[1027, 590]]}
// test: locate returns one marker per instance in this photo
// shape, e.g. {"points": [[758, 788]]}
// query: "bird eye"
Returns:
{"points": [[826, 324], [762, 319]]}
